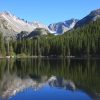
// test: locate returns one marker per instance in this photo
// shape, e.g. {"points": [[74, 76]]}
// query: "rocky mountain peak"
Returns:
{"points": [[93, 16], [95, 12], [6, 13], [63, 26]]}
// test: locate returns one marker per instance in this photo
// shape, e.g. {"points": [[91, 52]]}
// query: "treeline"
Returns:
{"points": [[83, 41], [2, 46]]}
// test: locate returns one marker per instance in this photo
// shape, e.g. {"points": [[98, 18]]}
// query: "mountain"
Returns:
{"points": [[12, 25], [62, 27], [93, 16], [34, 33]]}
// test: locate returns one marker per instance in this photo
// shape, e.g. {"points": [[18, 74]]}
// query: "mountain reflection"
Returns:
{"points": [[17, 75], [15, 84]]}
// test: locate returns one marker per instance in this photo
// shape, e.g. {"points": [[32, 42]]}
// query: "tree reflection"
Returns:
{"points": [[85, 73]]}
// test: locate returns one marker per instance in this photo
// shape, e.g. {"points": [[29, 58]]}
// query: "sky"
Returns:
{"points": [[49, 11]]}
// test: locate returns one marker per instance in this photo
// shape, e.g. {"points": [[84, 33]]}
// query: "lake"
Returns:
{"points": [[49, 79]]}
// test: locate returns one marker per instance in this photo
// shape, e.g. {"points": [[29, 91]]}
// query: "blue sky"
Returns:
{"points": [[49, 11]]}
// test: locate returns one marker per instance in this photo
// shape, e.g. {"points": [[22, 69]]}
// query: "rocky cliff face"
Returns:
{"points": [[62, 27]]}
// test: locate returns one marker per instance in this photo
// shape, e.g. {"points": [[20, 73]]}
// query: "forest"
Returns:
{"points": [[81, 42]]}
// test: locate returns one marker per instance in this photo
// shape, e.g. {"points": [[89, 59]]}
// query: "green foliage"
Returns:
{"points": [[2, 46], [21, 55], [84, 41]]}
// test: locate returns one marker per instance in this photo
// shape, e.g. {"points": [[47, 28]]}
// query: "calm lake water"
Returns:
{"points": [[49, 79]]}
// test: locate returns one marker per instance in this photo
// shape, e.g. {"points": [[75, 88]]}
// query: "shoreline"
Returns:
{"points": [[49, 57]]}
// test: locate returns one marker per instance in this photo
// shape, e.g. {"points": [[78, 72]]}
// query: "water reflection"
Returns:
{"points": [[48, 93], [70, 75]]}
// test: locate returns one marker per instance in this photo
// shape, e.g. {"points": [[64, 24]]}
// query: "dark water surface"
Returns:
{"points": [[49, 79]]}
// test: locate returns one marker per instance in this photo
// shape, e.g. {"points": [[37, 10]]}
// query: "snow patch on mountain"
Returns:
{"points": [[62, 27]]}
